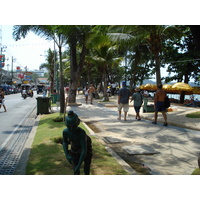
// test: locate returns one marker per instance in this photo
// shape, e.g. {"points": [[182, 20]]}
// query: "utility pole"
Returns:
{"points": [[1, 54], [2, 59], [13, 60]]}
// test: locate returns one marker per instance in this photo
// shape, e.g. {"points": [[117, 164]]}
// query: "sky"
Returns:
{"points": [[30, 52]]}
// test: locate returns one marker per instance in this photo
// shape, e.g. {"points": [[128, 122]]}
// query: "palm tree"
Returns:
{"points": [[49, 32], [104, 56], [154, 36], [49, 65]]}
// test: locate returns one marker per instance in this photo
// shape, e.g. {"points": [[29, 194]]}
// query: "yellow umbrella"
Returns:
{"points": [[167, 88], [142, 87], [196, 90], [150, 87], [182, 87]]}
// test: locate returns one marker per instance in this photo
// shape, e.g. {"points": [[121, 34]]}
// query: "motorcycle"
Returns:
{"points": [[24, 95]]}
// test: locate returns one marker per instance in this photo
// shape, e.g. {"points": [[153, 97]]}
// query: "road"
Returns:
{"points": [[15, 126]]}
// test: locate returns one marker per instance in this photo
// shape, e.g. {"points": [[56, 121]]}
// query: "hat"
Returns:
{"points": [[124, 83], [72, 119], [137, 89]]}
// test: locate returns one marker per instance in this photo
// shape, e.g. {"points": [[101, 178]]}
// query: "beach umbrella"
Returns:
{"points": [[196, 90], [168, 88], [142, 87], [150, 87], [182, 87]]}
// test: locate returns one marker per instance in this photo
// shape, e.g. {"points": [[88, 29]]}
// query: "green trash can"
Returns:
{"points": [[43, 105], [54, 97], [147, 108]]}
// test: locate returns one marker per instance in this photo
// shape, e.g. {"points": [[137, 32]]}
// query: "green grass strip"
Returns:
{"points": [[47, 155], [193, 115]]}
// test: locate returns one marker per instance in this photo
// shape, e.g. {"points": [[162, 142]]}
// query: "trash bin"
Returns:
{"points": [[54, 97], [146, 107], [43, 105]]}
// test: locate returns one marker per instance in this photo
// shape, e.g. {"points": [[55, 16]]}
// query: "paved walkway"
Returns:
{"points": [[164, 150]]}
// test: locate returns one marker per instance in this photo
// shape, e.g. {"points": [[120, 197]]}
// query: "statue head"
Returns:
{"points": [[72, 120]]}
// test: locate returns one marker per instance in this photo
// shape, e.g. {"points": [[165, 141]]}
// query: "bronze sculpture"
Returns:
{"points": [[80, 142]]}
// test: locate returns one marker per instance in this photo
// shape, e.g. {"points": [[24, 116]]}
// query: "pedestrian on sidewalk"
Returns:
{"points": [[86, 94], [123, 100], [91, 92], [138, 101], [2, 100], [159, 104]]}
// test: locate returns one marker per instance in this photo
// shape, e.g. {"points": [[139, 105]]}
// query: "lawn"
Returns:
{"points": [[193, 115], [47, 155]]}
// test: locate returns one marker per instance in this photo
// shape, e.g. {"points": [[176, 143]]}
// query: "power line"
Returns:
{"points": [[23, 45]]}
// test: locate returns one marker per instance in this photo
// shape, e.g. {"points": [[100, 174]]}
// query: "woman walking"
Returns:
{"points": [[138, 101], [2, 100]]}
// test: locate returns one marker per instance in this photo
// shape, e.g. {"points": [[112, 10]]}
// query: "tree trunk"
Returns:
{"points": [[105, 95], [158, 75], [73, 83], [182, 97], [75, 71], [62, 94]]}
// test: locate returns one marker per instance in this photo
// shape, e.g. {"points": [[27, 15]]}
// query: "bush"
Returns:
{"points": [[60, 118]]}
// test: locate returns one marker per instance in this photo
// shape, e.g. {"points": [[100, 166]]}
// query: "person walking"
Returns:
{"points": [[123, 100], [2, 100], [91, 92], [138, 100], [86, 94], [159, 105]]}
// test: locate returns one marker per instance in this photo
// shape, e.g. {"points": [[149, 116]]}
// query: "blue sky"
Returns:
{"points": [[27, 52]]}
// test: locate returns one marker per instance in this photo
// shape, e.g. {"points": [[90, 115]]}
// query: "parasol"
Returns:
{"points": [[182, 87], [150, 87], [168, 88], [196, 90]]}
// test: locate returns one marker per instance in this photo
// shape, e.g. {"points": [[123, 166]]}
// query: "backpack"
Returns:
{"points": [[167, 102]]}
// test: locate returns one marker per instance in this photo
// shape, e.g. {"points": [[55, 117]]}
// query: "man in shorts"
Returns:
{"points": [[159, 104], [123, 100], [91, 92]]}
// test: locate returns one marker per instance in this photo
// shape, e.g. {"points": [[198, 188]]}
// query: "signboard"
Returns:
{"points": [[28, 73], [28, 77], [21, 75], [18, 69]]}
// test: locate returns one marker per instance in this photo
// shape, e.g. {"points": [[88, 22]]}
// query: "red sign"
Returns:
{"points": [[21, 75]]}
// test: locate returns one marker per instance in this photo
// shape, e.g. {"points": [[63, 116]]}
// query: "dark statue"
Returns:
{"points": [[80, 142]]}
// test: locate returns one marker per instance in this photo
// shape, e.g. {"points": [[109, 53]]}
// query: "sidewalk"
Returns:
{"points": [[163, 150]]}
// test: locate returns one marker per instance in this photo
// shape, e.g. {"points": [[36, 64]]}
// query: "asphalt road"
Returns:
{"points": [[15, 125]]}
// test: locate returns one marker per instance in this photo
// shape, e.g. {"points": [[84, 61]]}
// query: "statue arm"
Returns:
{"points": [[65, 146]]}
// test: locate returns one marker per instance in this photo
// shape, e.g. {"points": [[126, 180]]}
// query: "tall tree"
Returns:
{"points": [[49, 65], [49, 32], [104, 56], [154, 36]]}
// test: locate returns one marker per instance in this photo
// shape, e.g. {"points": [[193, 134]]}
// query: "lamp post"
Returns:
{"points": [[1, 67], [13, 60]]}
